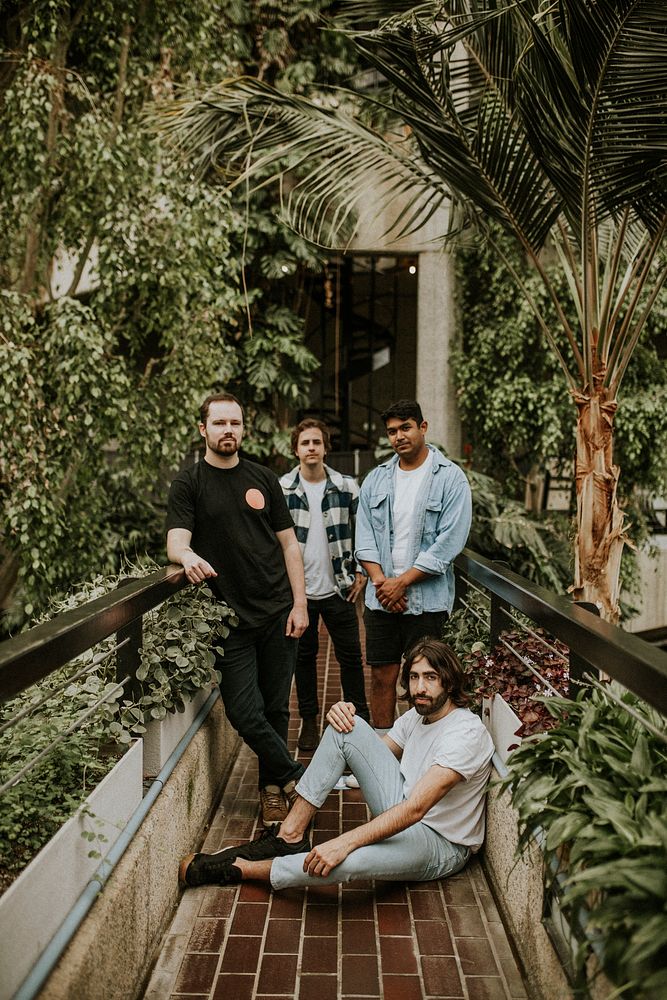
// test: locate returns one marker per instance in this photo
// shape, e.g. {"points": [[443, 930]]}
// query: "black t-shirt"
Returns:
{"points": [[234, 515]]}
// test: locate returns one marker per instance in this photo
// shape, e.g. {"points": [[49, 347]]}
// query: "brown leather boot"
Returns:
{"points": [[309, 737]]}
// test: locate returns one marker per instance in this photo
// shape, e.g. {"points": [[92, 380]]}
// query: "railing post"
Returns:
{"points": [[128, 657], [498, 619], [577, 663]]}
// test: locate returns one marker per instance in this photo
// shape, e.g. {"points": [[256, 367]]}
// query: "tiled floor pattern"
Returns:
{"points": [[392, 941]]}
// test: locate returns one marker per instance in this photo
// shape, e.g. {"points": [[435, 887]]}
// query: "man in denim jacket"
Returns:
{"points": [[413, 519]]}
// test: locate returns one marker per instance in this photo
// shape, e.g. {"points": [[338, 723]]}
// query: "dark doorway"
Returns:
{"points": [[361, 323]]}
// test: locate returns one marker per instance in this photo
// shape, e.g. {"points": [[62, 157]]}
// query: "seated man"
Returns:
{"points": [[424, 783]]}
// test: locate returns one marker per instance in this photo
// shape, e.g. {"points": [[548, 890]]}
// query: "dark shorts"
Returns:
{"points": [[388, 636]]}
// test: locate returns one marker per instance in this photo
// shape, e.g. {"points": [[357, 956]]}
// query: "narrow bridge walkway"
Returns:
{"points": [[391, 941]]}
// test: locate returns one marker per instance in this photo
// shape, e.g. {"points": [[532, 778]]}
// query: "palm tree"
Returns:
{"points": [[546, 118]]}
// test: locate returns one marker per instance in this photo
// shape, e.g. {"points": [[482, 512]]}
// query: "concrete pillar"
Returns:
{"points": [[438, 326], [437, 336]]}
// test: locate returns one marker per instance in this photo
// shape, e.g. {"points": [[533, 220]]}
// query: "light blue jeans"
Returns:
{"points": [[414, 855]]}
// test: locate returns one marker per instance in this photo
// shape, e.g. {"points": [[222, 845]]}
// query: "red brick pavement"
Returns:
{"points": [[392, 941]]}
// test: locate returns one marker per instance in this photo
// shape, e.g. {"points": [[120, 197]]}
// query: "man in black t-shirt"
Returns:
{"points": [[228, 524]]}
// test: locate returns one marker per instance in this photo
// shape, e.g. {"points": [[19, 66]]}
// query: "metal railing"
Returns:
{"points": [[35, 654], [595, 645]]}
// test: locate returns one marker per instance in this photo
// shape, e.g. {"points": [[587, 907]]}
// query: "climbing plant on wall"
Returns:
{"points": [[127, 291]]}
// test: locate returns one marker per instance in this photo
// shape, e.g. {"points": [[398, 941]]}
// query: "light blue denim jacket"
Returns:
{"points": [[442, 516]]}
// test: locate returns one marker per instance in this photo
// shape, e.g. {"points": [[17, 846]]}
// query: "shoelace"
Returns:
{"points": [[273, 799]]}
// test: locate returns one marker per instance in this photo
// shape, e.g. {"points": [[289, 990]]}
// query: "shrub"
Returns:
{"points": [[596, 785], [177, 660]]}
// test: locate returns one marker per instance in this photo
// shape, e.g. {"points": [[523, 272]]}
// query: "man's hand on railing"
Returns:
{"points": [[196, 569]]}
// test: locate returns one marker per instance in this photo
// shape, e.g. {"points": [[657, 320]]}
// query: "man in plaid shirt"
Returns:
{"points": [[323, 505]]}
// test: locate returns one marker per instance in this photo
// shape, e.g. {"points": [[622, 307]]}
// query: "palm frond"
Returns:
{"points": [[475, 143], [629, 153], [249, 132], [359, 14], [593, 99]]}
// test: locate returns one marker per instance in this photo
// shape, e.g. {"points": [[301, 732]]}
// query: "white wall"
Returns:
{"points": [[653, 567]]}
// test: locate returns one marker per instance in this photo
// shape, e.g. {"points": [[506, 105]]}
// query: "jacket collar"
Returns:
{"points": [[437, 458], [292, 481]]}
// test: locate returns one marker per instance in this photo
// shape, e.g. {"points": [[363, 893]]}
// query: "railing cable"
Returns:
{"points": [[473, 611], [478, 590], [28, 766], [95, 662], [536, 635], [530, 666]]}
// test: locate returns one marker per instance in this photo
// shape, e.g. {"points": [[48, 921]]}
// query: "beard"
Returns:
{"points": [[431, 706], [224, 446]]}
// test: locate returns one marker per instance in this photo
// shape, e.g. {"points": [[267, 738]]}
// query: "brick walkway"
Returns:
{"points": [[392, 941]]}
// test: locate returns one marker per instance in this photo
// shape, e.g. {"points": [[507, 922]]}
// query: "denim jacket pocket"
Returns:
{"points": [[379, 509]]}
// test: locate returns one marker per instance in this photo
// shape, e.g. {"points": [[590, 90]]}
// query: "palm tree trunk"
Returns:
{"points": [[600, 529]]}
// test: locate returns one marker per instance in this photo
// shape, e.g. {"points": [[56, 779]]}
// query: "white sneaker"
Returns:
{"points": [[340, 785], [351, 781]]}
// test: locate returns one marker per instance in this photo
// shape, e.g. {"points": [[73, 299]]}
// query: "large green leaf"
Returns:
{"points": [[564, 828]]}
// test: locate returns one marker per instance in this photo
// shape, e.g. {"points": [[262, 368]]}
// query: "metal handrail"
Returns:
{"points": [[35, 654], [640, 667]]}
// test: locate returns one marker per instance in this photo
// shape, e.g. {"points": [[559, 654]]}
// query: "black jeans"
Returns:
{"points": [[340, 618], [257, 671]]}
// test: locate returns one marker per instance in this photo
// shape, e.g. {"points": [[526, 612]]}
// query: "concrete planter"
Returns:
{"points": [[111, 953], [35, 905], [502, 723], [163, 736], [518, 889]]}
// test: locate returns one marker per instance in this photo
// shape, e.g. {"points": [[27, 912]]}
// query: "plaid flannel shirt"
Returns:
{"points": [[339, 507]]}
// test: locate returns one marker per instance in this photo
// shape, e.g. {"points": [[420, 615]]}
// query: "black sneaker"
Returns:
{"points": [[207, 869], [268, 845]]}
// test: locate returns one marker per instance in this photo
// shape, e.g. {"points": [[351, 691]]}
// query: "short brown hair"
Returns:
{"points": [[443, 659], [218, 397], [305, 425]]}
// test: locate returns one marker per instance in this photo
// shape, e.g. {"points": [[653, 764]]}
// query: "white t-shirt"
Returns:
{"points": [[461, 742], [406, 488], [320, 581]]}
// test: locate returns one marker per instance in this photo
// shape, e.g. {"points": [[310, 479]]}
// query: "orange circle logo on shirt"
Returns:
{"points": [[255, 499]]}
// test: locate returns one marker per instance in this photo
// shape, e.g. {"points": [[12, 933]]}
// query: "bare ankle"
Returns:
{"points": [[254, 870], [289, 833]]}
